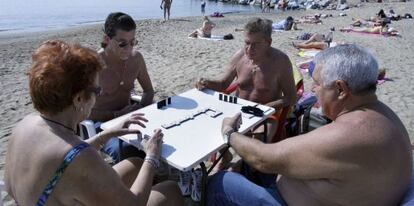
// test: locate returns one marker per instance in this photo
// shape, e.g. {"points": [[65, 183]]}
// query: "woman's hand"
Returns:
{"points": [[153, 145], [122, 128]]}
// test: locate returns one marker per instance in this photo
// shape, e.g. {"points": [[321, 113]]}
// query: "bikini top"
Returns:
{"points": [[59, 172]]}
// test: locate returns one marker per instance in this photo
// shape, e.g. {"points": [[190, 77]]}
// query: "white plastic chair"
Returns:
{"points": [[87, 127]]}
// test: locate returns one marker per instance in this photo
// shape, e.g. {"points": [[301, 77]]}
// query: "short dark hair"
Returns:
{"points": [[60, 71], [118, 20], [289, 18], [258, 25]]}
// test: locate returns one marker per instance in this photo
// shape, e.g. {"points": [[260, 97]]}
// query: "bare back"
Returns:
{"points": [[33, 157], [167, 3], [264, 83], [363, 158], [38, 154]]}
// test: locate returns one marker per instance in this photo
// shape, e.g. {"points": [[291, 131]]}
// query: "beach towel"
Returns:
{"points": [[308, 53], [212, 38]]}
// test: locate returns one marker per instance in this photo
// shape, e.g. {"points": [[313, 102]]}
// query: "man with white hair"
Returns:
{"points": [[362, 158]]}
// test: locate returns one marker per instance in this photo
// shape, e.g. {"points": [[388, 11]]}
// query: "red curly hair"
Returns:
{"points": [[60, 71]]}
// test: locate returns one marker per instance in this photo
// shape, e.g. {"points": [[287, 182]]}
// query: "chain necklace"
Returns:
{"points": [[58, 123]]}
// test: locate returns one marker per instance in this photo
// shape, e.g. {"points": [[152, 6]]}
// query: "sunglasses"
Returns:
{"points": [[122, 43], [96, 90]]}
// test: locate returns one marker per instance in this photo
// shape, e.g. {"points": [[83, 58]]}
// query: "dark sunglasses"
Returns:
{"points": [[96, 90], [123, 44], [252, 110]]}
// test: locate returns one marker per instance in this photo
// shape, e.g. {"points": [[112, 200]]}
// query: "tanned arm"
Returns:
{"points": [[317, 154], [145, 82], [287, 85]]}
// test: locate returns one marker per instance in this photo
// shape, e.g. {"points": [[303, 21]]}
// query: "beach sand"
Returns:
{"points": [[174, 61]]}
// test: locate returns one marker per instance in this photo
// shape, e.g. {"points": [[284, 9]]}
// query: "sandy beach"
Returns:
{"points": [[174, 61]]}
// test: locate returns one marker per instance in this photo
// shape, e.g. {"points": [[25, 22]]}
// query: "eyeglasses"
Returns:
{"points": [[96, 90], [122, 43]]}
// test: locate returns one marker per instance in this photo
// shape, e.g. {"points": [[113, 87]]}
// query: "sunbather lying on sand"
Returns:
{"points": [[309, 21], [365, 23], [316, 41], [205, 30], [383, 29], [317, 16]]}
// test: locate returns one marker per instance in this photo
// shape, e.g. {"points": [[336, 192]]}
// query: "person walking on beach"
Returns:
{"points": [[166, 5], [123, 65], [203, 7]]}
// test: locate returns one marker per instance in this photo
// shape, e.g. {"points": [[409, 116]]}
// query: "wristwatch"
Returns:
{"points": [[227, 134]]}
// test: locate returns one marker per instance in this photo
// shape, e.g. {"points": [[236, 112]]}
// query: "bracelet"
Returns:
{"points": [[153, 161]]}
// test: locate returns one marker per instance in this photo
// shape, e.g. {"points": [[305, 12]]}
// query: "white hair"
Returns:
{"points": [[350, 63]]}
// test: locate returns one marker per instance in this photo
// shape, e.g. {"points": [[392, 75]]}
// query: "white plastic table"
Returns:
{"points": [[193, 141]]}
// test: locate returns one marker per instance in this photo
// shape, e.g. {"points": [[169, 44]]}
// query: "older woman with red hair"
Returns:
{"points": [[48, 164]]}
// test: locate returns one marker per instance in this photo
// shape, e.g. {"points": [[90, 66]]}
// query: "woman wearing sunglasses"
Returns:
{"points": [[48, 164]]}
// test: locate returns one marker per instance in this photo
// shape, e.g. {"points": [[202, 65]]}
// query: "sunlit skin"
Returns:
{"points": [[351, 161]]}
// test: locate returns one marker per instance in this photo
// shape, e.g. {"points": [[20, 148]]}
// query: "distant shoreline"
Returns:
{"points": [[36, 29]]}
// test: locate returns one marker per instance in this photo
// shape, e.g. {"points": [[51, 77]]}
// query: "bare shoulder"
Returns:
{"points": [[281, 58], [136, 55], [26, 124], [138, 59], [237, 57], [239, 54], [279, 55]]}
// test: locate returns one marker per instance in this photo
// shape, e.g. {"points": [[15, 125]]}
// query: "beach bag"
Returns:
{"points": [[228, 37], [298, 121], [305, 116]]}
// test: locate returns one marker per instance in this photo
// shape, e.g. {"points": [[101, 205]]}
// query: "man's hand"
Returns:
{"points": [[276, 104], [231, 123], [201, 84]]}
